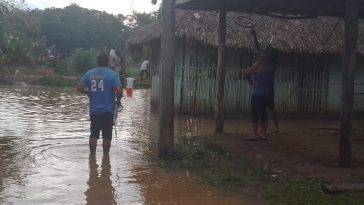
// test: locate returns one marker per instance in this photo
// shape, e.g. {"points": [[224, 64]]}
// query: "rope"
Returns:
{"points": [[332, 32]]}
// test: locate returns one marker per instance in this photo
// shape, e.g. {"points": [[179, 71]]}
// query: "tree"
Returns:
{"points": [[138, 20], [19, 34], [82, 60], [135, 22], [76, 27]]}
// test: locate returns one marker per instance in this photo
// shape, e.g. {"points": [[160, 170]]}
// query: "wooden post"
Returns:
{"points": [[347, 95], [219, 102], [166, 99]]}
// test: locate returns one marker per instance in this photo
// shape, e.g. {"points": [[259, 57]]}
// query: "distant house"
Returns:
{"points": [[308, 78]]}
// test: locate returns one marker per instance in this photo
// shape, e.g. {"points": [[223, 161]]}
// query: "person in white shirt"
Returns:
{"points": [[114, 61], [144, 69]]}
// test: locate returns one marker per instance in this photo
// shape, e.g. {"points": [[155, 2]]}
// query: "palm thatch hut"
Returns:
{"points": [[308, 77]]}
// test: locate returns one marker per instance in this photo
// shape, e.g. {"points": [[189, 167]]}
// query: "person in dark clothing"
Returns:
{"points": [[261, 74]]}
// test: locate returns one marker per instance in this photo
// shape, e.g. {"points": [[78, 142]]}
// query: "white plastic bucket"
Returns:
{"points": [[129, 86]]}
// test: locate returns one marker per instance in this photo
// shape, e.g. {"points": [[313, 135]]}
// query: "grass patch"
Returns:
{"points": [[133, 72], [56, 81], [215, 166], [308, 192]]}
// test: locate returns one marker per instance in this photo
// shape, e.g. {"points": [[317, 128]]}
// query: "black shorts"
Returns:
{"points": [[102, 122], [258, 107], [270, 100]]}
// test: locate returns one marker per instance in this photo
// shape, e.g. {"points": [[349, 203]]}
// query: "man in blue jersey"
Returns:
{"points": [[103, 87]]}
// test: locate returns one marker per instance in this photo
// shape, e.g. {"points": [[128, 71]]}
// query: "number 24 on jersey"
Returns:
{"points": [[97, 85]]}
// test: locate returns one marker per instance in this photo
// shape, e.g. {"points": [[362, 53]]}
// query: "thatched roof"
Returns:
{"points": [[319, 35], [334, 8]]}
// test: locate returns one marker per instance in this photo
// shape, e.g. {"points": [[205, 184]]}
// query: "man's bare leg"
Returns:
{"points": [[263, 130], [92, 144], [106, 143], [255, 133], [275, 119]]}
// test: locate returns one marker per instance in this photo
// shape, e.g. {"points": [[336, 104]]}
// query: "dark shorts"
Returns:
{"points": [[102, 122], [259, 108], [270, 100]]}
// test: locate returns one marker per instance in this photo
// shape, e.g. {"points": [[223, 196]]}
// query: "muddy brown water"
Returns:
{"points": [[44, 156]]}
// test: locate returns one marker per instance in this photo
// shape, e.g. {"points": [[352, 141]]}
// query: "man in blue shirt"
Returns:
{"points": [[102, 86], [262, 75]]}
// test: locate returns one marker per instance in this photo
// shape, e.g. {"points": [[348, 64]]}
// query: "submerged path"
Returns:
{"points": [[44, 156]]}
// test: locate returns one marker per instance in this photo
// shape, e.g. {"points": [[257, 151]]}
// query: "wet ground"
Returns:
{"points": [[306, 146], [44, 156]]}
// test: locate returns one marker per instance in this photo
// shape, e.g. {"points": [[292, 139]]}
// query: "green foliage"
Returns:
{"points": [[25, 34], [62, 68], [140, 19], [83, 60], [20, 35], [75, 27], [56, 81], [133, 72]]}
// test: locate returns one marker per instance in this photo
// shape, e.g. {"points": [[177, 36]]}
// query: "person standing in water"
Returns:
{"points": [[103, 87]]}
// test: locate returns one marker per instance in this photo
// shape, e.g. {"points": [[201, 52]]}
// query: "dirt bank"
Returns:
{"points": [[306, 147]]}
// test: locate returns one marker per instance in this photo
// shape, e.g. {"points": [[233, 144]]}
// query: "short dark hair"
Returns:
{"points": [[102, 60]]}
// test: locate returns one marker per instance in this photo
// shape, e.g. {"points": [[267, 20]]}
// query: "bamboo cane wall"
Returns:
{"points": [[334, 86], [300, 82]]}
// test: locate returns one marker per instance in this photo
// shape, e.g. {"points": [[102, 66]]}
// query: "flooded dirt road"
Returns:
{"points": [[44, 156]]}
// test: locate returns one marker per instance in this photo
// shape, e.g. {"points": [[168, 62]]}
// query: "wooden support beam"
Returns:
{"points": [[166, 97], [347, 95], [219, 102]]}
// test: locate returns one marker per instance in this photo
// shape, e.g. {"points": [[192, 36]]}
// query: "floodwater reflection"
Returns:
{"points": [[100, 189], [44, 155]]}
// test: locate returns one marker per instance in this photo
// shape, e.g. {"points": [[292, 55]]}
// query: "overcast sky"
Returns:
{"points": [[111, 6]]}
